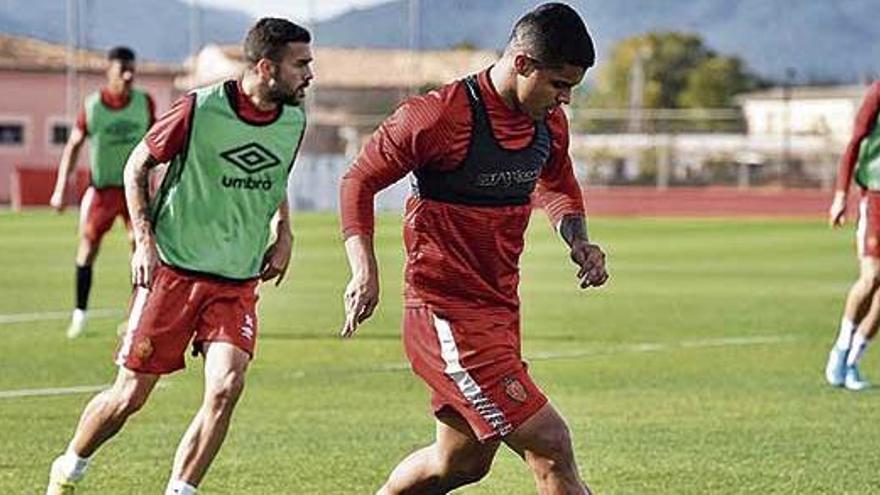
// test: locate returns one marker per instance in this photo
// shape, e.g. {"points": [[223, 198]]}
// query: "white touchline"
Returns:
{"points": [[533, 356], [55, 315], [49, 392]]}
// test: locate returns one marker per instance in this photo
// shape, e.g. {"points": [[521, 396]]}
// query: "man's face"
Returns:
{"points": [[541, 88], [290, 77], [120, 73]]}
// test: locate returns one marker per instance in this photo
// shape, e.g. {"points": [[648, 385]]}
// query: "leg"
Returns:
{"points": [[456, 458], [861, 311], [858, 300], [102, 418], [105, 415], [544, 442], [225, 368]]}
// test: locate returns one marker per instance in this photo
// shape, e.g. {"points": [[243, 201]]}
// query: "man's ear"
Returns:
{"points": [[265, 68], [523, 65]]}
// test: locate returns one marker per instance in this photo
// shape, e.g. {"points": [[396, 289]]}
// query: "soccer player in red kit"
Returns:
{"points": [[861, 314], [114, 119], [483, 151]]}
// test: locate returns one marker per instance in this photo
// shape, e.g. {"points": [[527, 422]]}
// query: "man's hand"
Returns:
{"points": [[277, 259], [143, 262], [361, 297], [57, 200], [837, 212], [591, 260]]}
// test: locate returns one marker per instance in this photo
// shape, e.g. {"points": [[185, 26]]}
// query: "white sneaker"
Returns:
{"points": [[854, 380], [835, 370], [77, 324], [58, 483]]}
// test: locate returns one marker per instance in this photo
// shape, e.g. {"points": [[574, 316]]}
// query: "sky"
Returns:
{"points": [[300, 10]]}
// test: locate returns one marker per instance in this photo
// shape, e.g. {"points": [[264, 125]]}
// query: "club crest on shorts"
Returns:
{"points": [[143, 349], [515, 389]]}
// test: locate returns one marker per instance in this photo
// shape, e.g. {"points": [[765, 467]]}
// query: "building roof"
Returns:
{"points": [[353, 67], [33, 55], [856, 91]]}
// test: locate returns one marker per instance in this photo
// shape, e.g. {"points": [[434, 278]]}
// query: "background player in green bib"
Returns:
{"points": [[202, 245], [861, 313], [114, 119]]}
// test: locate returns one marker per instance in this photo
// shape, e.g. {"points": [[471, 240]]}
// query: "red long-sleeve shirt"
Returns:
{"points": [[864, 125], [458, 256]]}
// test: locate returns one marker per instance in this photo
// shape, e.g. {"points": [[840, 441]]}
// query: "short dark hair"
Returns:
{"points": [[267, 38], [554, 34], [121, 53]]}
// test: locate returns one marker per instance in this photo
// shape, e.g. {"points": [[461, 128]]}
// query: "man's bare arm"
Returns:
{"points": [[137, 185], [362, 293], [68, 161], [277, 257], [589, 257]]}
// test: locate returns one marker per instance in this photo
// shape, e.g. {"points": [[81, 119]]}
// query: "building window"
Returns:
{"points": [[59, 133], [11, 134]]}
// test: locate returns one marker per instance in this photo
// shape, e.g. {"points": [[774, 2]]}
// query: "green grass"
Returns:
{"points": [[749, 414]]}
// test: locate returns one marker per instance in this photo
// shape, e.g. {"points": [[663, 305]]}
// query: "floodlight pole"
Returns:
{"points": [[70, 98]]}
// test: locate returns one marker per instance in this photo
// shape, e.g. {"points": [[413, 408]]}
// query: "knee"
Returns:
{"points": [[462, 468], [221, 397], [555, 458], [128, 401], [870, 279]]}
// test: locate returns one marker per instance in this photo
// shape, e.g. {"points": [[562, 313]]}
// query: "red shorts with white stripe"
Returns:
{"points": [[181, 307], [473, 366], [868, 231], [99, 208]]}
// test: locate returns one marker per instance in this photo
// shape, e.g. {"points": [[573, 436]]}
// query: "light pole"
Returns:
{"points": [[790, 74]]}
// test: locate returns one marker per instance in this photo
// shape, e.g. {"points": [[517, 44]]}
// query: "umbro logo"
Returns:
{"points": [[251, 158]]}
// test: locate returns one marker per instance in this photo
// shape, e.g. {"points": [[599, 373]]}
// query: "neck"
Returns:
{"points": [[120, 90], [503, 77], [254, 90]]}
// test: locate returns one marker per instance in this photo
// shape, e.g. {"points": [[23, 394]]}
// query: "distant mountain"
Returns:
{"points": [[821, 39], [155, 29]]}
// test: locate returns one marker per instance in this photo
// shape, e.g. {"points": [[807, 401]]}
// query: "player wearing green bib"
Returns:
{"points": [[861, 312], [218, 224], [114, 119]]}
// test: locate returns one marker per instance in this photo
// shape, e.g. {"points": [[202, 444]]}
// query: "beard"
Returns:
{"points": [[286, 95]]}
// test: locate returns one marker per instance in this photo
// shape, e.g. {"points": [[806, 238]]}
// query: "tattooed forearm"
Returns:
{"points": [[137, 190], [573, 227]]}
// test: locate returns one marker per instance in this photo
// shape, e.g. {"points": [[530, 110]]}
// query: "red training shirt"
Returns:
{"points": [[459, 257], [865, 122]]}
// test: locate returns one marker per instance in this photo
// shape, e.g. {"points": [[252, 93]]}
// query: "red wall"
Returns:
{"points": [[39, 99]]}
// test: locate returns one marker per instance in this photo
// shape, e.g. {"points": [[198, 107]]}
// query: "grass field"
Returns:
{"points": [[697, 370]]}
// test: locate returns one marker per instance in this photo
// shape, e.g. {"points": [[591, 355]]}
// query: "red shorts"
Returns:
{"points": [[98, 210], [181, 307], [868, 231], [473, 366]]}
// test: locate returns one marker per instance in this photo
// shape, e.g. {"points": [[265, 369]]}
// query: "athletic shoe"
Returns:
{"points": [[77, 324], [854, 380], [835, 370], [58, 483]]}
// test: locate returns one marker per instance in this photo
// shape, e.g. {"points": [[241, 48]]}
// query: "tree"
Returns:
{"points": [[679, 71]]}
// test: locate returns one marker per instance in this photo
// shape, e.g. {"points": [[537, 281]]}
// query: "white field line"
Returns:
{"points": [[50, 392], [534, 356], [56, 315]]}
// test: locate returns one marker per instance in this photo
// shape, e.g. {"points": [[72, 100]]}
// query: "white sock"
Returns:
{"points": [[859, 344], [844, 337], [73, 467], [79, 315], [180, 487]]}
